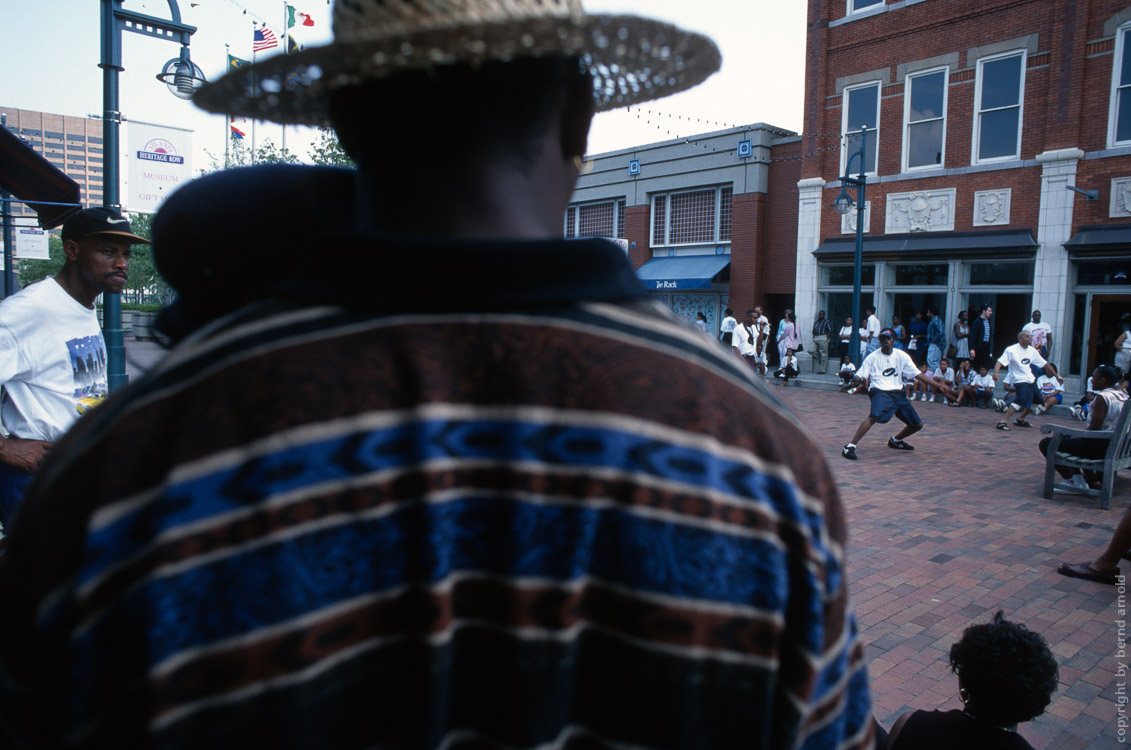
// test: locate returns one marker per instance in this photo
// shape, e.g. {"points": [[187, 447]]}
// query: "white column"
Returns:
{"points": [[808, 238], [1054, 228]]}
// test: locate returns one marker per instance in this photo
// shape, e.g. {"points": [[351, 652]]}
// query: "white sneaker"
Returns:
{"points": [[999, 405], [931, 400], [851, 390], [1037, 410], [1076, 481]]}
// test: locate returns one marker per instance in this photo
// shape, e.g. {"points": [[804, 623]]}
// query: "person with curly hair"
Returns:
{"points": [[1006, 675]]}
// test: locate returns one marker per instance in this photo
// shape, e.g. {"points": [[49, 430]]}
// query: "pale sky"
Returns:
{"points": [[50, 50]]}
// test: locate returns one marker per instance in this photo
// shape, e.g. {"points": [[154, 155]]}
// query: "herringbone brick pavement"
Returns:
{"points": [[942, 537]]}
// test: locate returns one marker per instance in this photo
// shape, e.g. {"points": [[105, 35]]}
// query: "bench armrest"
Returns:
{"points": [[1077, 431]]}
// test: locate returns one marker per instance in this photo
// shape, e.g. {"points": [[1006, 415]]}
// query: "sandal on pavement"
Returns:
{"points": [[1022, 423], [1003, 426], [1084, 571]]}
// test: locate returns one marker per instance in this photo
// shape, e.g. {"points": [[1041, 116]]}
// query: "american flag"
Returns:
{"points": [[264, 39]]}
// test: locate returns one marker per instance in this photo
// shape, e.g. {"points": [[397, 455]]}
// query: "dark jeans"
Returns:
{"points": [[1077, 446], [13, 484]]}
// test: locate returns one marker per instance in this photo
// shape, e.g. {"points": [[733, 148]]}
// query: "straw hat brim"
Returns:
{"points": [[632, 60]]}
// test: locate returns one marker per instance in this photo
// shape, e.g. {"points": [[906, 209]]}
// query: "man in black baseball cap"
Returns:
{"points": [[884, 370], [52, 356]]}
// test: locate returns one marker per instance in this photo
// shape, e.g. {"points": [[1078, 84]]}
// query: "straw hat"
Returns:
{"points": [[632, 59]]}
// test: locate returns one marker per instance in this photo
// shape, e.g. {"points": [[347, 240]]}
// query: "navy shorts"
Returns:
{"points": [[1026, 392], [885, 404]]}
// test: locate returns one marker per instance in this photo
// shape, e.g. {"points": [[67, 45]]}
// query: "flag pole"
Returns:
{"points": [[286, 51], [227, 117], [254, 52]]}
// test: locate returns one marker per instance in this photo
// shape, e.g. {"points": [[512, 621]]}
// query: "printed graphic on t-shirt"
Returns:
{"points": [[88, 363]]}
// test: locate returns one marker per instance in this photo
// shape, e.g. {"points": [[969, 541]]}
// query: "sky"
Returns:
{"points": [[50, 50]]}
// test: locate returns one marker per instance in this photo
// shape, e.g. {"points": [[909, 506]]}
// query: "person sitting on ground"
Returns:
{"points": [[963, 377], [789, 369], [847, 368], [1080, 408], [910, 383], [1050, 390], [980, 390], [944, 381], [1006, 675], [922, 387]]}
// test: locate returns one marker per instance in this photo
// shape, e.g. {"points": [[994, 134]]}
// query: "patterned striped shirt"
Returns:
{"points": [[540, 514]]}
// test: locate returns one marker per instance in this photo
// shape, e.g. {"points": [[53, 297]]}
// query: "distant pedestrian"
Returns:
{"points": [[822, 332], [901, 335], [789, 369], [961, 332], [980, 338], [844, 336], [727, 326], [701, 321], [744, 338], [1041, 333], [917, 345], [872, 326], [780, 337], [936, 339], [1123, 346], [884, 369]]}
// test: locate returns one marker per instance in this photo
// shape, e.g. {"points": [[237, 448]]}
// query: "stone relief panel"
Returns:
{"points": [[1120, 197], [920, 211], [848, 221], [991, 207]]}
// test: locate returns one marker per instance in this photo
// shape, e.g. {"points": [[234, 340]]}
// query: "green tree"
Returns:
{"points": [[145, 285], [328, 150], [32, 271], [239, 155]]}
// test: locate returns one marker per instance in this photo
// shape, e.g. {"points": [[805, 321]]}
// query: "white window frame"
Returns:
{"points": [[853, 10], [844, 131], [907, 86], [1121, 49], [717, 232], [976, 139], [618, 227]]}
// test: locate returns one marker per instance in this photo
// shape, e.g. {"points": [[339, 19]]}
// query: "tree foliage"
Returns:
{"points": [[328, 150]]}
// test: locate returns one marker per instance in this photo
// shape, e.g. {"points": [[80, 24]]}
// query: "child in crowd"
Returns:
{"points": [[944, 379], [962, 379], [980, 389], [789, 369], [921, 389], [1049, 390], [1001, 404], [847, 369], [1080, 408]]}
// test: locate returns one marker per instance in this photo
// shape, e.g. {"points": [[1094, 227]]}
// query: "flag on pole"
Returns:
{"points": [[236, 132], [235, 63], [263, 39], [292, 45], [295, 18]]}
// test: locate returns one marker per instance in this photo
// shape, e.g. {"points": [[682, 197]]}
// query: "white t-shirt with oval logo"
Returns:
{"points": [[885, 372], [1018, 361]]}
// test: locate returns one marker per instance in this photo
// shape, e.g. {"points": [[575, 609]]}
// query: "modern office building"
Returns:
{"points": [[73, 144], [998, 164]]}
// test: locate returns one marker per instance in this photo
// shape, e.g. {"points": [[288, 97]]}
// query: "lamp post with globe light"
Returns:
{"points": [[182, 76], [842, 205]]}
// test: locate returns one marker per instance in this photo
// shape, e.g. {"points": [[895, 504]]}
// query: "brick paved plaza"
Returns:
{"points": [[942, 537]]}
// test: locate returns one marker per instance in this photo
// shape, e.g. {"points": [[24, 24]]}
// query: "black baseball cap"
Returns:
{"points": [[99, 220]]}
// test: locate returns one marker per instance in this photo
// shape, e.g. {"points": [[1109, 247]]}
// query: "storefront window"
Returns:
{"points": [[842, 275], [1001, 274], [1104, 272], [935, 274], [1078, 321]]}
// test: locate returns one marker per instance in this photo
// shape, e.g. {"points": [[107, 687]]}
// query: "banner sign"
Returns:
{"points": [[31, 243], [160, 161]]}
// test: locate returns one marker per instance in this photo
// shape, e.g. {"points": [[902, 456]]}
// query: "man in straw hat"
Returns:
{"points": [[476, 493]]}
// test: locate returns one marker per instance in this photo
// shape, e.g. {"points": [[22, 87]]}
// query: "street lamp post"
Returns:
{"points": [[115, 20], [842, 205]]}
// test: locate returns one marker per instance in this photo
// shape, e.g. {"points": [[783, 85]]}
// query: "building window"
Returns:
{"points": [[603, 219], [53, 134], [1119, 120], [855, 6], [924, 119], [694, 217], [861, 109], [73, 137], [30, 131], [999, 96], [93, 139], [72, 147]]}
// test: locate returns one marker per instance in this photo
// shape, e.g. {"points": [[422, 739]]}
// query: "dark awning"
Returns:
{"points": [[30, 178], [1099, 240], [687, 272], [1017, 242]]}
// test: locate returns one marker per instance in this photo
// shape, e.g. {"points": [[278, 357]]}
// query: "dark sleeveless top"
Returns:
{"points": [[954, 730]]}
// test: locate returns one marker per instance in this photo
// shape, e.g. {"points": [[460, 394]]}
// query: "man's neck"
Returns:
{"points": [[72, 283]]}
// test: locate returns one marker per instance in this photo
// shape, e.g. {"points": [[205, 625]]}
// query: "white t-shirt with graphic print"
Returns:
{"points": [[1018, 361], [52, 361], [885, 371]]}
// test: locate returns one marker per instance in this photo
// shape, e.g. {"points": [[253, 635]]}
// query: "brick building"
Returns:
{"points": [[985, 121], [73, 144], [708, 221]]}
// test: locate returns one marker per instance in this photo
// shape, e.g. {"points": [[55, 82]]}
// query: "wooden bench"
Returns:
{"points": [[1118, 456]]}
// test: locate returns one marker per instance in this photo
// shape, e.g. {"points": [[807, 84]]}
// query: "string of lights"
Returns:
{"points": [[647, 115]]}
